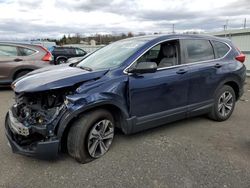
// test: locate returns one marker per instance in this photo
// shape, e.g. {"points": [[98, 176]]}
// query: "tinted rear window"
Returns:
{"points": [[64, 50], [198, 50], [220, 48], [59, 50]]}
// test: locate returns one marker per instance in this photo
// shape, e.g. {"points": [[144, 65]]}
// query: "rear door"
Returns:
{"points": [[204, 73], [8, 59]]}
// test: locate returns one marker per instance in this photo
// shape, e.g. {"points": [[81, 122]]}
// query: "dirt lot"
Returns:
{"points": [[196, 152]]}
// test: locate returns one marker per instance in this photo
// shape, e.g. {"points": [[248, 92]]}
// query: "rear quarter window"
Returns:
{"points": [[197, 50], [220, 48], [80, 51], [25, 51]]}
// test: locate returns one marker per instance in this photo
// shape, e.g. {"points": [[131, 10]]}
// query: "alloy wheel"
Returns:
{"points": [[225, 104], [100, 138]]}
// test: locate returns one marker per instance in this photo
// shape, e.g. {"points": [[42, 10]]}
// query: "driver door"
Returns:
{"points": [[159, 97]]}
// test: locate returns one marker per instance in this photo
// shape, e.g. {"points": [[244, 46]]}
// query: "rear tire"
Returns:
{"points": [[86, 139], [224, 104], [61, 61]]}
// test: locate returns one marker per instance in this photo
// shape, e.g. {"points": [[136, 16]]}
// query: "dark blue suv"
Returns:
{"points": [[133, 84]]}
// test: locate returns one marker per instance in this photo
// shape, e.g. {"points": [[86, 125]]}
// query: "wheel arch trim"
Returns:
{"points": [[70, 115], [233, 80]]}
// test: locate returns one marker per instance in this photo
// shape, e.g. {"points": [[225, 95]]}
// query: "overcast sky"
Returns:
{"points": [[53, 18]]}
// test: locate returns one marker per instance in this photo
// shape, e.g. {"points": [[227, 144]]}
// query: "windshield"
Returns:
{"points": [[111, 56]]}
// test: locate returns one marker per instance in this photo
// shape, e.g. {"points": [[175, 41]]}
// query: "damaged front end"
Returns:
{"points": [[31, 122]]}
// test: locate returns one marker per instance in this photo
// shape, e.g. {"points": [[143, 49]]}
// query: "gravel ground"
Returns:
{"points": [[195, 152]]}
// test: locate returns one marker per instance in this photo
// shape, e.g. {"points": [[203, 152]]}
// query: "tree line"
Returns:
{"points": [[99, 39]]}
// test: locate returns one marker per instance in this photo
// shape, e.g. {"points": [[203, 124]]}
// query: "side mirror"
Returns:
{"points": [[144, 67]]}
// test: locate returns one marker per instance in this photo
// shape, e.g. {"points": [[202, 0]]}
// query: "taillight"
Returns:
{"points": [[48, 55], [241, 58]]}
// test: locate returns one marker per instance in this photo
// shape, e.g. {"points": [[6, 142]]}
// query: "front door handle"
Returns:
{"points": [[217, 65], [181, 71], [17, 59]]}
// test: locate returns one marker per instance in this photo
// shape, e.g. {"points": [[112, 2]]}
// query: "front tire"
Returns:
{"points": [[224, 104], [91, 136]]}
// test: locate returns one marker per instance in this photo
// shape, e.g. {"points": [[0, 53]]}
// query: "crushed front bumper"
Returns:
{"points": [[14, 130]]}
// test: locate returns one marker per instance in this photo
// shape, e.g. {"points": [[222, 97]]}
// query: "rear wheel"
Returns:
{"points": [[224, 104], [20, 74], [61, 61], [91, 136]]}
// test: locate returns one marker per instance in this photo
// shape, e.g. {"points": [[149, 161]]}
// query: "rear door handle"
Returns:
{"points": [[17, 59], [181, 71], [217, 65]]}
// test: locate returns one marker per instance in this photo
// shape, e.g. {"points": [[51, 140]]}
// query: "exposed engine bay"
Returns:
{"points": [[39, 108]]}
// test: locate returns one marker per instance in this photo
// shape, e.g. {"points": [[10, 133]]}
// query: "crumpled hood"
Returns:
{"points": [[54, 77]]}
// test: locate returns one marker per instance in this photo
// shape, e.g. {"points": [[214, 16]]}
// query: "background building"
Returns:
{"points": [[241, 38]]}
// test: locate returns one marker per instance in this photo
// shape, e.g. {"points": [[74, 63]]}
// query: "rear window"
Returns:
{"points": [[220, 48], [198, 50]]}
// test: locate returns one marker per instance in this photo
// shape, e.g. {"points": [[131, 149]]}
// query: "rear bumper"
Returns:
{"points": [[47, 149]]}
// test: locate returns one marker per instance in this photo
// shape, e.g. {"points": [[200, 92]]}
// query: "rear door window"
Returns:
{"points": [[197, 50], [220, 48], [8, 51], [59, 51], [71, 51]]}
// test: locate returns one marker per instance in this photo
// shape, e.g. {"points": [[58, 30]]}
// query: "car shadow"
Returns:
{"points": [[162, 128], [5, 88]]}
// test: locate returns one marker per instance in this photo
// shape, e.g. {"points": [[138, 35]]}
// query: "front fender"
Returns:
{"points": [[90, 95], [75, 111]]}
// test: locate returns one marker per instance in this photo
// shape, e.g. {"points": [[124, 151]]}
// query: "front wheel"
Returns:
{"points": [[91, 136], [224, 104]]}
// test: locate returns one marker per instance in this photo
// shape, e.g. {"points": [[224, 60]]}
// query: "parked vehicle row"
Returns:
{"points": [[61, 53], [17, 59], [133, 85]]}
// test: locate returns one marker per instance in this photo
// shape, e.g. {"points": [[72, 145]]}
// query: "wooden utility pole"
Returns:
{"points": [[245, 23]]}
